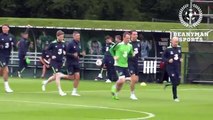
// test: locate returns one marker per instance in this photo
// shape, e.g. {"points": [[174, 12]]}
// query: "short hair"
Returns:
{"points": [[118, 36], [133, 31], [59, 32], [75, 32], [126, 33], [6, 25], [108, 37]]}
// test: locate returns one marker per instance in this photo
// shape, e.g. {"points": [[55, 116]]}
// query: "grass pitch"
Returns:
{"points": [[28, 102]]}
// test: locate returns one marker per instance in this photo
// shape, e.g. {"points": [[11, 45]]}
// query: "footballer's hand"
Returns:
{"points": [[115, 58], [75, 55], [53, 57], [170, 60], [83, 53], [181, 59], [1, 46], [48, 66]]}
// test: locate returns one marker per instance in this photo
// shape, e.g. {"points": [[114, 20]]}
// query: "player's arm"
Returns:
{"points": [[113, 49], [69, 51], [180, 55], [132, 53], [43, 61], [1, 45], [165, 56], [13, 43], [20, 44]]}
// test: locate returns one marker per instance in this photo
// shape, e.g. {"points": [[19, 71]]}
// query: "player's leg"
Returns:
{"points": [[5, 77], [58, 83], [1, 71], [5, 74], [76, 80], [173, 77], [119, 83], [44, 69], [134, 79], [21, 65], [51, 78], [110, 67]]}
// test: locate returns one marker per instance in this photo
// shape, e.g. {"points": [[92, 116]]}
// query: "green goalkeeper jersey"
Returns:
{"points": [[122, 51]]}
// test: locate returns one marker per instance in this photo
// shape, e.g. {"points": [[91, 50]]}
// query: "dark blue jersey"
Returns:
{"points": [[57, 50], [107, 48], [7, 41], [73, 47], [23, 46], [46, 54], [172, 53], [137, 50]]}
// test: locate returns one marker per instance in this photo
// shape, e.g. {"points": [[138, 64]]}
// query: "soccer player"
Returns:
{"points": [[133, 63], [117, 39], [72, 61], [7, 41], [121, 52], [45, 60], [172, 58], [57, 49], [109, 61], [23, 46]]}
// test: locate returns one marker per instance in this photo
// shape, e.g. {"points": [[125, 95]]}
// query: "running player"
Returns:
{"points": [[7, 42], [172, 58], [57, 49], [23, 46], [121, 52], [133, 63], [73, 66]]}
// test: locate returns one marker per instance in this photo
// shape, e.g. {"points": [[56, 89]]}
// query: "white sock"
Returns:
{"points": [[6, 84], [74, 90], [59, 89], [45, 82], [132, 92]]}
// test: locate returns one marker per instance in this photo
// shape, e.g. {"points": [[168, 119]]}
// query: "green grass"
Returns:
{"points": [[163, 26], [29, 103]]}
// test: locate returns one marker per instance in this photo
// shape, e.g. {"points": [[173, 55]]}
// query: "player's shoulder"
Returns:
{"points": [[129, 44], [120, 44], [169, 47], [138, 40]]}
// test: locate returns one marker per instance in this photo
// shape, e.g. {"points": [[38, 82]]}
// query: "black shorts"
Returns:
{"points": [[174, 76], [122, 71], [56, 66], [133, 68], [73, 68], [4, 61]]}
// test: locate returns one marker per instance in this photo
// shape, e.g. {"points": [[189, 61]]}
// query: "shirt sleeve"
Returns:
{"points": [[113, 49], [165, 56], [131, 51]]}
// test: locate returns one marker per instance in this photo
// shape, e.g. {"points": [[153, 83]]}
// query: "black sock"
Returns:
{"points": [[174, 91]]}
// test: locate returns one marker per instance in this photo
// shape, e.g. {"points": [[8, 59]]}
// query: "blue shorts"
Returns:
{"points": [[4, 61], [73, 68], [122, 71], [56, 66], [133, 68]]}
